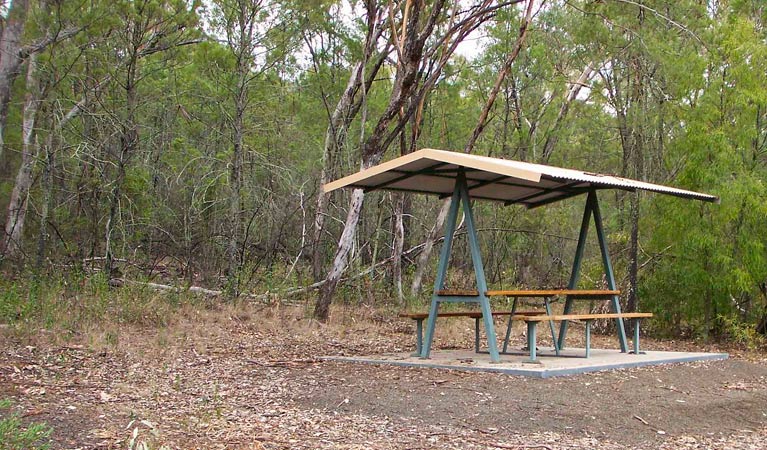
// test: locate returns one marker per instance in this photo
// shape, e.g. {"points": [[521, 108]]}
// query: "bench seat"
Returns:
{"points": [[476, 315], [540, 293], [531, 318], [472, 314], [532, 321]]}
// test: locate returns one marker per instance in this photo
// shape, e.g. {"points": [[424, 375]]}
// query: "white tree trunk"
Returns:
{"points": [[10, 58], [336, 132], [17, 207], [322, 308]]}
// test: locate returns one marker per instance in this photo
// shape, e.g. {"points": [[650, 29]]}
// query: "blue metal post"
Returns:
{"points": [[588, 338], [444, 260], [636, 336], [554, 342], [576, 271], [608, 267], [531, 339], [508, 327], [479, 270], [418, 337]]}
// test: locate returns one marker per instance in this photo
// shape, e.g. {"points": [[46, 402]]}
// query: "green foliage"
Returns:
{"points": [[683, 78], [15, 435]]}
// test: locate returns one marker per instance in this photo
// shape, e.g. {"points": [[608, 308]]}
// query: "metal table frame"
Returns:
{"points": [[460, 197]]}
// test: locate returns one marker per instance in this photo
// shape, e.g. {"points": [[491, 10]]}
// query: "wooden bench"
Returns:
{"points": [[532, 321], [531, 318], [545, 294], [539, 293], [476, 315]]}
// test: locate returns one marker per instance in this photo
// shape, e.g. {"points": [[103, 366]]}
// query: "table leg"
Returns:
{"points": [[476, 335], [418, 337], [547, 304], [588, 338], [508, 327]]}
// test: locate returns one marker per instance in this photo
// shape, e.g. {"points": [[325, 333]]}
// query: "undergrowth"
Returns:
{"points": [[14, 435], [70, 304]]}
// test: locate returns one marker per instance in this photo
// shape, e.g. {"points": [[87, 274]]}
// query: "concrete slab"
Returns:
{"points": [[570, 362]]}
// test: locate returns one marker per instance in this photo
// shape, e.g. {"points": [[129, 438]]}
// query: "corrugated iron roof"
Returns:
{"points": [[432, 171]]}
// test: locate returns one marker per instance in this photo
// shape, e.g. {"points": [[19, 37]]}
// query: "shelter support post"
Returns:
{"points": [[592, 208], [461, 196]]}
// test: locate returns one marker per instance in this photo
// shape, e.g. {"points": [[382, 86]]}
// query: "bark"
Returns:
{"points": [[335, 134], [423, 258], [17, 207], [322, 306], [399, 244], [128, 145], [405, 83], [10, 58]]}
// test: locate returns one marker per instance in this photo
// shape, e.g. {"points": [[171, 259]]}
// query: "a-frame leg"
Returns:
{"points": [[608, 268], [576, 271], [461, 195], [592, 207], [479, 271], [444, 260]]}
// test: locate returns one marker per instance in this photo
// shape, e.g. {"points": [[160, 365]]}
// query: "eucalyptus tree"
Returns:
{"points": [[16, 47], [714, 281], [367, 60], [146, 27], [425, 37], [29, 29], [258, 35]]}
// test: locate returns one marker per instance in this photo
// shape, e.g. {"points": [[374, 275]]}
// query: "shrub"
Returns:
{"points": [[15, 436]]}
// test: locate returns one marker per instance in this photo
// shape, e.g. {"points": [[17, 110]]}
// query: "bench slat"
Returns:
{"points": [[596, 293], [458, 292], [561, 317], [553, 293], [472, 314]]}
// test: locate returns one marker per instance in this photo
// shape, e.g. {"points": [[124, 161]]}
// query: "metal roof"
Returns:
{"points": [[430, 171]]}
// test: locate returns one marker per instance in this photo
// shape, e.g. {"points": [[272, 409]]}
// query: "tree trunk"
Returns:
{"points": [[322, 306], [423, 258], [10, 58], [235, 183], [42, 238], [632, 302], [17, 207], [334, 136], [128, 146]]}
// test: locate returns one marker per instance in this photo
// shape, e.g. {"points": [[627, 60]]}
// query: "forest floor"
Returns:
{"points": [[250, 378]]}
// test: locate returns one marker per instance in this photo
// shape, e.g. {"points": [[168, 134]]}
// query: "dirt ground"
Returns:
{"points": [[251, 379]]}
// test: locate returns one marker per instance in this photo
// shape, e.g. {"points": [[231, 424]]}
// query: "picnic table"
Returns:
{"points": [[462, 178]]}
